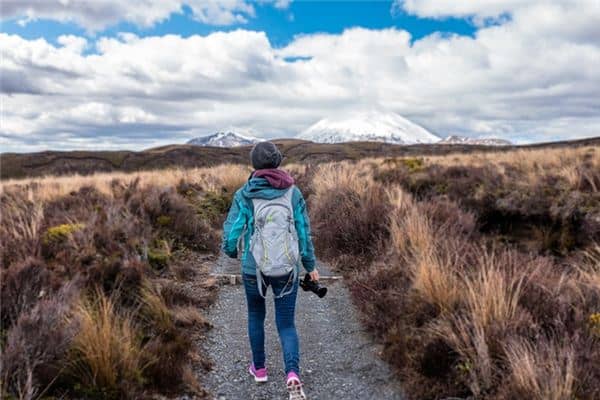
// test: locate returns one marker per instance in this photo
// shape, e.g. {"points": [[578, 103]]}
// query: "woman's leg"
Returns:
{"points": [[285, 308], [256, 320]]}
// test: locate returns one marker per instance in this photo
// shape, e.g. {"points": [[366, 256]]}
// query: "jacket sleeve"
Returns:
{"points": [[234, 226], [307, 251]]}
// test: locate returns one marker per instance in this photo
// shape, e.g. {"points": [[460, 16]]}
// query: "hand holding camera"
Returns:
{"points": [[313, 285]]}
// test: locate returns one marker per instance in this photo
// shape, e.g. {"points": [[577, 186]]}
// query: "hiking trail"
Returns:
{"points": [[337, 358]]}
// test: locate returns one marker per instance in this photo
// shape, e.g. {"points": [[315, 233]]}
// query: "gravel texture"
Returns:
{"points": [[337, 359]]}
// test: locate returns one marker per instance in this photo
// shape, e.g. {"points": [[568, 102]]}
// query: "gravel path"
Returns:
{"points": [[337, 359]]}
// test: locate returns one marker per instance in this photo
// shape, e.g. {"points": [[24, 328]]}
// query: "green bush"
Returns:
{"points": [[59, 233]]}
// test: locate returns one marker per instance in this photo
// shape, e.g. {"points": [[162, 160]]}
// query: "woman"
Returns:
{"points": [[269, 183]]}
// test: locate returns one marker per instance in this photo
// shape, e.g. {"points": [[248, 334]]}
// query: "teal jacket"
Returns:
{"points": [[240, 223]]}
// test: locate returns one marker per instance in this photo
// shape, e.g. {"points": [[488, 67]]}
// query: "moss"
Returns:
{"points": [[97, 393], [413, 164], [441, 188], [163, 220], [214, 205], [159, 254], [59, 233], [594, 324], [158, 258]]}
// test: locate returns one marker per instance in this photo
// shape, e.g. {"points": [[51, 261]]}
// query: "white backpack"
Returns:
{"points": [[274, 243]]}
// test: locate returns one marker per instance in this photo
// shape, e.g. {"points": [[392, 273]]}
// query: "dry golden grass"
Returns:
{"points": [[412, 237], [412, 233], [589, 269], [345, 175], [107, 351], [542, 371], [526, 159], [492, 294], [434, 279], [533, 163], [228, 176], [21, 223], [154, 308], [469, 340]]}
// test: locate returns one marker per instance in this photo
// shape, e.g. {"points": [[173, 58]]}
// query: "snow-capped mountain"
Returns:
{"points": [[376, 126], [224, 139], [455, 139]]}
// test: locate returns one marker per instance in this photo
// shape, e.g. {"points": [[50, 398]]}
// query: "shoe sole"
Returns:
{"points": [[293, 385], [256, 378]]}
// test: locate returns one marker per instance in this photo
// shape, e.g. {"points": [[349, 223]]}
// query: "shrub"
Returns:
{"points": [[19, 231], [213, 206], [166, 357], [59, 233], [185, 225], [348, 220], [159, 254], [22, 285], [35, 354]]}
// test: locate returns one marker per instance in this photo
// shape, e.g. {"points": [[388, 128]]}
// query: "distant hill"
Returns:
{"points": [[224, 139], [13, 165], [372, 126], [455, 139]]}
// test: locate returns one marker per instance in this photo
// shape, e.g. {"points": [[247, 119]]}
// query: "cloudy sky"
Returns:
{"points": [[114, 74]]}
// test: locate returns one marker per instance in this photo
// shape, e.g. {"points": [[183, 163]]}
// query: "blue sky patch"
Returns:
{"points": [[280, 25]]}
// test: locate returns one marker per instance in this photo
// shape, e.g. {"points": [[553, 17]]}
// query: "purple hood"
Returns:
{"points": [[277, 178]]}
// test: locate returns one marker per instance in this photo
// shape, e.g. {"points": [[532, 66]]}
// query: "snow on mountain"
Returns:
{"points": [[224, 139], [455, 139], [376, 126]]}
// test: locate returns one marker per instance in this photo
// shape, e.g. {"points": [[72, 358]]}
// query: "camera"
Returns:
{"points": [[314, 286]]}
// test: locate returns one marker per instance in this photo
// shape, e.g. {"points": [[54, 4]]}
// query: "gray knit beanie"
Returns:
{"points": [[265, 155]]}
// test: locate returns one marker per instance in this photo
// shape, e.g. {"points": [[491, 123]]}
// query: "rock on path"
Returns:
{"points": [[337, 359]]}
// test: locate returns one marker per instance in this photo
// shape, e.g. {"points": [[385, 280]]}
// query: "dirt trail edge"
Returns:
{"points": [[337, 358]]}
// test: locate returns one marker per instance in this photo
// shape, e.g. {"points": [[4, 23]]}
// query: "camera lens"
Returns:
{"points": [[321, 291]]}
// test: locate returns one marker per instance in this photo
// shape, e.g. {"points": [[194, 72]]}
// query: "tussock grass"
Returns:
{"points": [[542, 371], [493, 292], [107, 350], [589, 268], [435, 281]]}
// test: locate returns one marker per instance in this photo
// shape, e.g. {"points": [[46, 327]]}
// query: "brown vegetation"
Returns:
{"points": [[478, 273], [101, 285], [18, 166]]}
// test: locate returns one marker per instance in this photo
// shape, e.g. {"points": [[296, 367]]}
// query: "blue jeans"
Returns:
{"points": [[285, 308]]}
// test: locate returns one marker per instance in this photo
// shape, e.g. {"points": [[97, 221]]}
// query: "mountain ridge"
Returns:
{"points": [[457, 139], [223, 139]]}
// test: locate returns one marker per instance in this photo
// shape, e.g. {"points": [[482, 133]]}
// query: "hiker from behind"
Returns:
{"points": [[269, 215]]}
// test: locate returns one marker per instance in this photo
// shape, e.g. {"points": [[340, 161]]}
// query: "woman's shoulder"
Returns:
{"points": [[297, 196]]}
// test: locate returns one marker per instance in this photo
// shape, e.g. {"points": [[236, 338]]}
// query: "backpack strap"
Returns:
{"points": [[260, 281]]}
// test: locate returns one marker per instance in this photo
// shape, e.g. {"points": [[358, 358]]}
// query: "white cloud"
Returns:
{"points": [[73, 43], [545, 12], [532, 78], [95, 15]]}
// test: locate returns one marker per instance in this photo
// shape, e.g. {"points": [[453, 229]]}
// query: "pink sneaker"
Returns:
{"points": [[260, 375], [294, 387]]}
